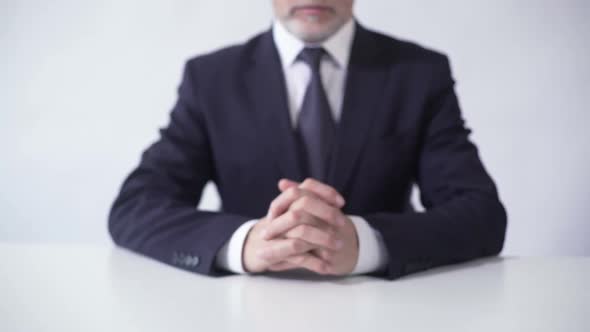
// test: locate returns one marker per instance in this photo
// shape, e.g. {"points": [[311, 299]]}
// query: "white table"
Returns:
{"points": [[85, 288]]}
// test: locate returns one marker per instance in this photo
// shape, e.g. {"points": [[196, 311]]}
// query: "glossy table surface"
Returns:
{"points": [[94, 288]]}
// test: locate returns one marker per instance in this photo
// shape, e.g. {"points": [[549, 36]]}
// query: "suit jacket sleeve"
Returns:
{"points": [[155, 212], [464, 218]]}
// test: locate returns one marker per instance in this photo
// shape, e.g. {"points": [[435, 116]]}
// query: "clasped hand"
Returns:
{"points": [[304, 228]]}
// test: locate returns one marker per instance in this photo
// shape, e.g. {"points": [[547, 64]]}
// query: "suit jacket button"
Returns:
{"points": [[195, 261], [178, 258]]}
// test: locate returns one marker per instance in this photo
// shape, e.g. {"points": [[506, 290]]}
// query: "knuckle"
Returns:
{"points": [[332, 214], [296, 245], [298, 205], [292, 192], [334, 195], [295, 215], [305, 201], [298, 260], [304, 231], [273, 204], [261, 231], [323, 254], [320, 267]]}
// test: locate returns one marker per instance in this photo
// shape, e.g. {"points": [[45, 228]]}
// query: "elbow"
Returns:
{"points": [[498, 221], [114, 224]]}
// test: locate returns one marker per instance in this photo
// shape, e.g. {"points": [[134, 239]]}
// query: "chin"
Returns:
{"points": [[313, 34]]}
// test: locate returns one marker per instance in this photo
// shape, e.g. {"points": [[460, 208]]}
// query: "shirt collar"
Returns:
{"points": [[338, 45]]}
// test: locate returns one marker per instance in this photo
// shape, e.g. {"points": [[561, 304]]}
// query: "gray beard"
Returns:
{"points": [[312, 18]]}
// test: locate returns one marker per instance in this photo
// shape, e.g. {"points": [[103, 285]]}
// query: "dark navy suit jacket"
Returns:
{"points": [[401, 124]]}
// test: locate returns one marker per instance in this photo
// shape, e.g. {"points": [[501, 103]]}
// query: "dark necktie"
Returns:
{"points": [[315, 125]]}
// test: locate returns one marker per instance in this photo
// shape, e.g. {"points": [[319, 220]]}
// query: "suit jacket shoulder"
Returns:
{"points": [[225, 60], [403, 50]]}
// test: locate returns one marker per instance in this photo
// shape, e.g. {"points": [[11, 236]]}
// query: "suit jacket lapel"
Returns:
{"points": [[265, 86], [364, 89]]}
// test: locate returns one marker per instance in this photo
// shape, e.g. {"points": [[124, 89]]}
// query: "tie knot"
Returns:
{"points": [[312, 56]]}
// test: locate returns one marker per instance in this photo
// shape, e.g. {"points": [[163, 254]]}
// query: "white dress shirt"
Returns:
{"points": [[372, 251]]}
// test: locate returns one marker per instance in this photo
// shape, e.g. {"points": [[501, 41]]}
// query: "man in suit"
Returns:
{"points": [[314, 133]]}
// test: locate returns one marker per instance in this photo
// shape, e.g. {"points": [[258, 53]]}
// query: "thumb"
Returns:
{"points": [[285, 184]]}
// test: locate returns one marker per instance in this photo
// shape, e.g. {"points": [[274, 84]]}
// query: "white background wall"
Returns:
{"points": [[85, 85]]}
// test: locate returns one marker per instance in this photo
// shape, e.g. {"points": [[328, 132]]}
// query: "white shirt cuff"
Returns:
{"points": [[229, 256], [372, 250]]}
